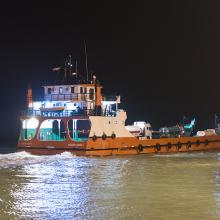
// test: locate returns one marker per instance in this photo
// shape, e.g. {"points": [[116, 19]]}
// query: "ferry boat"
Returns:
{"points": [[74, 116]]}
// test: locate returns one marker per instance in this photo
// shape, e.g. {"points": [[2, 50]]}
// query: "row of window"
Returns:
{"points": [[53, 130], [72, 89]]}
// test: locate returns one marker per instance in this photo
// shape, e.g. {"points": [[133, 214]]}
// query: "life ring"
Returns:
{"points": [[206, 142], [157, 147], [140, 148], [188, 145], [113, 135], [179, 145], [198, 142], [94, 137], [104, 136], [169, 145]]}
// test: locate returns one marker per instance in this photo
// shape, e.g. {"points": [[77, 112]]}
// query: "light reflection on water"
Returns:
{"points": [[178, 186]]}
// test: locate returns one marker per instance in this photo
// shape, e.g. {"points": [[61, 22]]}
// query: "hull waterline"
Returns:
{"points": [[123, 146]]}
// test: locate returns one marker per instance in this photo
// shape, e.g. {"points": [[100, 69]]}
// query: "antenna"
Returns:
{"points": [[75, 73], [65, 69], [76, 67], [70, 65], [87, 72]]}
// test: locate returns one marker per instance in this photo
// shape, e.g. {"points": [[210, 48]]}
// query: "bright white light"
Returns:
{"points": [[32, 123], [48, 104], [108, 103], [70, 106], [47, 124], [37, 105]]}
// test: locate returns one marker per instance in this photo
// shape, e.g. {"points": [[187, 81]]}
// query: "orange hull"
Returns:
{"points": [[123, 146]]}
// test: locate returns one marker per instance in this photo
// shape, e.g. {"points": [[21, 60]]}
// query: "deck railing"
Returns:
{"points": [[74, 97], [65, 113]]}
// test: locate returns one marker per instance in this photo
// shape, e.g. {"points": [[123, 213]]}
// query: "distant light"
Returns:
{"points": [[74, 74]]}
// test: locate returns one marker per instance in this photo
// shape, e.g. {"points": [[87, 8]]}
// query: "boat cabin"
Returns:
{"points": [[80, 92], [69, 100]]}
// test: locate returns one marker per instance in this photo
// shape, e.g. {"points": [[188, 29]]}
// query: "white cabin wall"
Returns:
{"points": [[109, 125]]}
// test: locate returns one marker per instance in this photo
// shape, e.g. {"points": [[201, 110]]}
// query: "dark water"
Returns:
{"points": [[178, 186]]}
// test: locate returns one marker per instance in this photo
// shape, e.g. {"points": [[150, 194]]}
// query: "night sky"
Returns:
{"points": [[162, 57]]}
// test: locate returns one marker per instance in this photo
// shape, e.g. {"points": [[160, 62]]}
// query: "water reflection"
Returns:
{"points": [[54, 188], [180, 186]]}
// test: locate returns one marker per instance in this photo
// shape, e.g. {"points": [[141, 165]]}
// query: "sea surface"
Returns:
{"points": [[181, 186]]}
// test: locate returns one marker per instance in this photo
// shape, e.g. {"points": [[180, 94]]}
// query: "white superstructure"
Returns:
{"points": [[72, 99]]}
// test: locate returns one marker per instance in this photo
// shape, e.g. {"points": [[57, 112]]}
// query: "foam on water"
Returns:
{"points": [[22, 154], [13, 160], [64, 155], [186, 155]]}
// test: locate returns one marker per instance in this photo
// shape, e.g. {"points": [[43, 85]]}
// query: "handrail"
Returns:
{"points": [[65, 113], [74, 96]]}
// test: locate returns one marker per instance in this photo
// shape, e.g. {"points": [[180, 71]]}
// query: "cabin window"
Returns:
{"points": [[79, 129], [81, 90], [85, 90], [72, 89], [61, 90], [49, 91], [91, 94], [52, 130], [29, 128]]}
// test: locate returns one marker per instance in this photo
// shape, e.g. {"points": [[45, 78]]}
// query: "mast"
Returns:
{"points": [[87, 72], [65, 70], [76, 68], [70, 65]]}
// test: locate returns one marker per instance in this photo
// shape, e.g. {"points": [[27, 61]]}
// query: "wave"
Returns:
{"points": [[187, 155], [22, 158]]}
